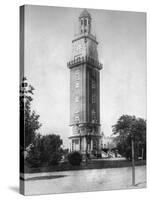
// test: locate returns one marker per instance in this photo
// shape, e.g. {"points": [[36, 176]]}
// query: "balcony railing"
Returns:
{"points": [[82, 60]]}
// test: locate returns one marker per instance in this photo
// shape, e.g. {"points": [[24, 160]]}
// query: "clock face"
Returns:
{"points": [[78, 48], [82, 48]]}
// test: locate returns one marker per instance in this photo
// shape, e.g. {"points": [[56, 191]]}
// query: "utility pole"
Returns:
{"points": [[133, 163]]}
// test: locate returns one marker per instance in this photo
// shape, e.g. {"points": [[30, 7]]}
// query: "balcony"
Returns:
{"points": [[84, 60]]}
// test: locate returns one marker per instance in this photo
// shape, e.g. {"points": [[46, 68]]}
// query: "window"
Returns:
{"points": [[81, 21], [77, 85], [24, 84], [77, 118], [93, 98], [93, 115], [76, 141], [85, 22], [75, 130], [76, 99], [93, 84], [77, 75], [72, 146]]}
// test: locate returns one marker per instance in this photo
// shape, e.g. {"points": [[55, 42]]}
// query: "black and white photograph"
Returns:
{"points": [[83, 100]]}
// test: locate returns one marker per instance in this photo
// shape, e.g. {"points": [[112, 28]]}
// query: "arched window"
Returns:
{"points": [[85, 22]]}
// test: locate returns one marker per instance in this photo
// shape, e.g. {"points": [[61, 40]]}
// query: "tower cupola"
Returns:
{"points": [[85, 22]]}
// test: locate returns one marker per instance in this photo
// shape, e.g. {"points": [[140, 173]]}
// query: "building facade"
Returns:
{"points": [[108, 142], [85, 89]]}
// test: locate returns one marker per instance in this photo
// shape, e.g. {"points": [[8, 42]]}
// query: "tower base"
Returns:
{"points": [[87, 145]]}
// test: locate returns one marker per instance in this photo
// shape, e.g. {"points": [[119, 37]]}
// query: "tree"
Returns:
{"points": [[29, 123], [45, 150], [127, 128], [51, 150], [34, 154]]}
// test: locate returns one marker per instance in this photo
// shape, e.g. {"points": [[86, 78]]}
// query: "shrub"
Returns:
{"points": [[45, 150], [33, 157], [75, 158]]}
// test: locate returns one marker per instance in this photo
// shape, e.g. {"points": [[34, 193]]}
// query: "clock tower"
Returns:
{"points": [[85, 89]]}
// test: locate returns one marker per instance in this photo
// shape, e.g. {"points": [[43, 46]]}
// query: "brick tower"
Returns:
{"points": [[85, 89]]}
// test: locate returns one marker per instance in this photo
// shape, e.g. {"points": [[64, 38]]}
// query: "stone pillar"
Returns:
{"points": [[85, 144], [80, 143]]}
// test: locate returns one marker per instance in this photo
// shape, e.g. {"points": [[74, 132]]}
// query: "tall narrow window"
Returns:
{"points": [[93, 84], [93, 115], [77, 84], [93, 98], [72, 145], [77, 118], [77, 75], [75, 130]]}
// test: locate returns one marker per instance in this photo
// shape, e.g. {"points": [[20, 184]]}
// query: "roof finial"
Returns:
{"points": [[85, 13]]}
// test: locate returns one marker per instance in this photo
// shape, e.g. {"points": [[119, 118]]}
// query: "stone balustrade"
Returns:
{"points": [[82, 60]]}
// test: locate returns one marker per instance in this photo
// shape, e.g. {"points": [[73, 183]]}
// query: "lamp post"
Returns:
{"points": [[132, 131], [133, 162]]}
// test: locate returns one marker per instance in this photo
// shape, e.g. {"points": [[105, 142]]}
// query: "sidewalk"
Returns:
{"points": [[84, 180]]}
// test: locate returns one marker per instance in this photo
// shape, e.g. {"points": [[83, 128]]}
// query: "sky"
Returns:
{"points": [[49, 32]]}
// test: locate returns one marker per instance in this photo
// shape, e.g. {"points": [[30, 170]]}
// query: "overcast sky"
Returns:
{"points": [[122, 50]]}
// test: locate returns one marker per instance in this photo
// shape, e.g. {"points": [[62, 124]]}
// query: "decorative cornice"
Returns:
{"points": [[85, 36]]}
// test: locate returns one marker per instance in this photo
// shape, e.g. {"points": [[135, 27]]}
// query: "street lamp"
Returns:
{"points": [[132, 148], [133, 161]]}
